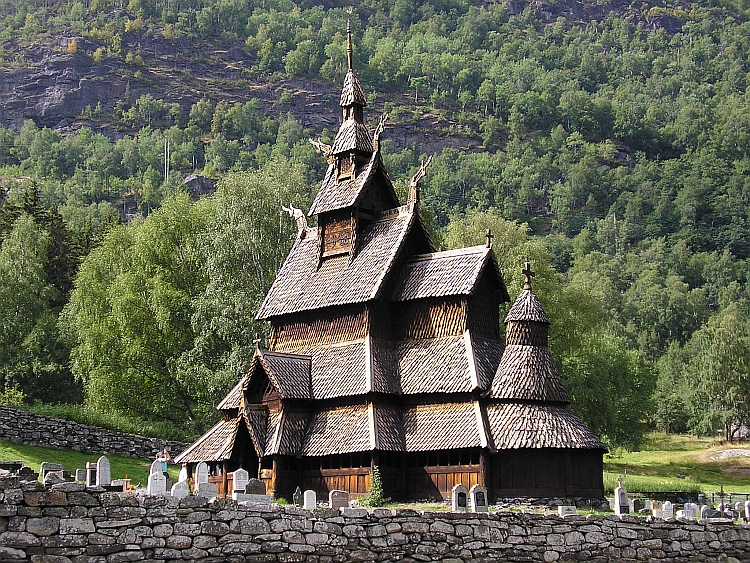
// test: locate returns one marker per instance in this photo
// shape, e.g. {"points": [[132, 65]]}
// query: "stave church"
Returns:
{"points": [[384, 352]]}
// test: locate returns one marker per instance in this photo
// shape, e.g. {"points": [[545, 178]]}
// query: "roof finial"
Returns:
{"points": [[257, 342], [349, 50], [528, 274], [489, 237]]}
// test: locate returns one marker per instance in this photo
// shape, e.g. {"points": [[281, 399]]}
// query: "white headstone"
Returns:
{"points": [[338, 499], [688, 511], [739, 508], [183, 475], [460, 499], [157, 484], [704, 512], [180, 489], [747, 509], [667, 510], [239, 481], [103, 475], [207, 490], [201, 473], [156, 467], [563, 511], [622, 503], [648, 504], [478, 499], [310, 500]]}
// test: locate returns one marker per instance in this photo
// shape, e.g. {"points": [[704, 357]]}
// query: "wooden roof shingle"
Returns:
{"points": [[352, 92], [442, 426], [301, 285], [256, 421], [528, 373], [527, 308], [214, 445], [435, 365], [515, 426], [441, 274], [352, 135], [290, 372], [233, 400], [337, 430], [389, 429]]}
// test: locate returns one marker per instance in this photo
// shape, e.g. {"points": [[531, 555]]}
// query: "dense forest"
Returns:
{"points": [[611, 148]]}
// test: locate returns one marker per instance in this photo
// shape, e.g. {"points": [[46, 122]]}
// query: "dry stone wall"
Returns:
{"points": [[71, 523], [21, 427]]}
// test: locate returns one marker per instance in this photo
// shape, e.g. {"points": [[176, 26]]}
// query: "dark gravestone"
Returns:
{"points": [[462, 500], [255, 487], [297, 497]]}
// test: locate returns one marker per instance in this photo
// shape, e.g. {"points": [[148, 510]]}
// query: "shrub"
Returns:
{"points": [[375, 496]]}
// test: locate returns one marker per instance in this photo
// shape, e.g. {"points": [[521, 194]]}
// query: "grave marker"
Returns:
{"points": [[622, 504], [460, 499], [157, 484], [667, 510], [201, 473], [255, 487], [747, 509], [46, 466], [478, 496], [564, 511], [207, 490], [90, 474], [338, 499], [81, 475], [311, 500], [156, 467], [180, 490], [297, 497], [103, 475], [53, 478], [240, 477]]}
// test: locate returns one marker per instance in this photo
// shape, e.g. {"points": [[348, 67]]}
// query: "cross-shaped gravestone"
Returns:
{"points": [[460, 499], [103, 475], [622, 503], [257, 342], [528, 274]]}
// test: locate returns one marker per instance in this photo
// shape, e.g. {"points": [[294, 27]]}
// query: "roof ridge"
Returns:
{"points": [[449, 253]]}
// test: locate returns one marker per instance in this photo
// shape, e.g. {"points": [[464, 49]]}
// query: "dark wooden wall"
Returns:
{"points": [[337, 234], [428, 318], [483, 316], [320, 328]]}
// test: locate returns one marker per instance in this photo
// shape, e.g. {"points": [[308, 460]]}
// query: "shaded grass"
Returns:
{"points": [[678, 463], [135, 468]]}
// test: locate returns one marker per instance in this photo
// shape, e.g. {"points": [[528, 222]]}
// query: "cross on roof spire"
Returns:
{"points": [[257, 342], [349, 49], [489, 237], [528, 274]]}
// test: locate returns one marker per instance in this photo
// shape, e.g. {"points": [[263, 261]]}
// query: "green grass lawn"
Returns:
{"points": [[669, 462], [136, 469]]}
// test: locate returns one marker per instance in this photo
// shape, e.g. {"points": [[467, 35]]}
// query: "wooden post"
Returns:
{"points": [[485, 477], [225, 477], [274, 473]]}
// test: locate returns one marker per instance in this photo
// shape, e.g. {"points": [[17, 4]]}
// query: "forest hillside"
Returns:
{"points": [[606, 142]]}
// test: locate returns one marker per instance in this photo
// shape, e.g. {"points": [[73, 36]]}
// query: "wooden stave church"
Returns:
{"points": [[383, 352]]}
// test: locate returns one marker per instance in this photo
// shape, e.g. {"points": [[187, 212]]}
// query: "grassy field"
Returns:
{"points": [[135, 469], [669, 462], [665, 463]]}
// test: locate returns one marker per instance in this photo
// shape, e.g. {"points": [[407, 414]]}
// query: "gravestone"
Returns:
{"points": [[81, 475], [201, 473], [180, 490], [90, 474], [183, 475], [478, 497], [338, 499], [688, 512], [747, 509], [636, 505], [255, 487], [103, 476], [667, 510], [239, 481], [157, 484], [648, 504], [251, 498], [564, 511], [124, 484], [156, 467], [310, 500], [207, 490], [460, 499], [27, 474], [622, 504], [739, 508], [46, 466], [53, 478], [297, 497]]}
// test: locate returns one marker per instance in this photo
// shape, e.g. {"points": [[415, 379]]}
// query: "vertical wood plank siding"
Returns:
{"points": [[430, 318], [483, 317], [315, 329], [337, 237]]}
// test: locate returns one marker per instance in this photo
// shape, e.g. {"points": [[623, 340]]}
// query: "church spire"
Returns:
{"points": [[349, 49]]}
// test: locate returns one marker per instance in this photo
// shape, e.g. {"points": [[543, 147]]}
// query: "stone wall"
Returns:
{"points": [[71, 523], [21, 427]]}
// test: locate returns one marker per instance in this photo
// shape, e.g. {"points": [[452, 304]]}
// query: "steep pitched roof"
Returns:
{"points": [[301, 285], [516, 426], [441, 274], [256, 421], [441, 427], [337, 431], [352, 92], [352, 135], [527, 308], [214, 445], [334, 194], [285, 433], [528, 373], [291, 372]]}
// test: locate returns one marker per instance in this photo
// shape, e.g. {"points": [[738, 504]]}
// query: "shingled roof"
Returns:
{"points": [[338, 430], [352, 92], [339, 194], [527, 308], [516, 426], [214, 445], [443, 426], [442, 274], [352, 135], [529, 373], [301, 285]]}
